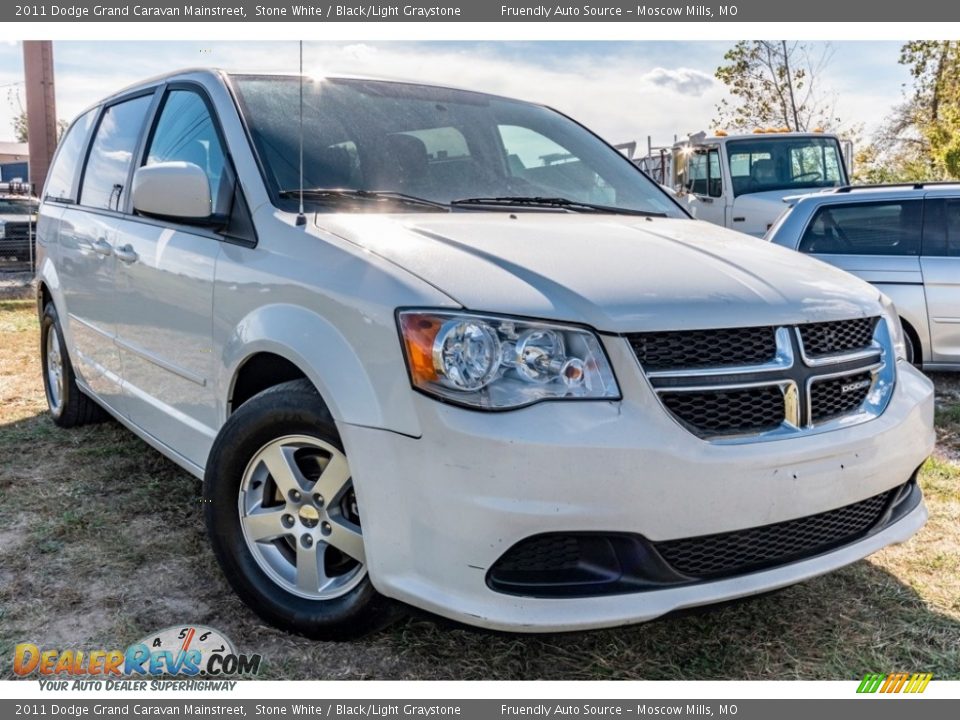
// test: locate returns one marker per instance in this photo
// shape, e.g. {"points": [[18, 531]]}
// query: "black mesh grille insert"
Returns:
{"points": [[827, 338], [704, 348], [838, 396], [545, 553], [727, 412], [741, 551]]}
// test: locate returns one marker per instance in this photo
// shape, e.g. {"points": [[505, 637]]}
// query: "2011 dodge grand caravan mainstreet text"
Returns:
{"points": [[487, 368]]}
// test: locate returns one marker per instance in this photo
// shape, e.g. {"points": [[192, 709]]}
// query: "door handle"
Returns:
{"points": [[102, 247], [125, 254]]}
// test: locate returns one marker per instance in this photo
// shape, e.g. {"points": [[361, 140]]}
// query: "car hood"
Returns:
{"points": [[615, 273]]}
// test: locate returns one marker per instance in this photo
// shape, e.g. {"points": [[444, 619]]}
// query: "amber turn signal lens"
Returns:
{"points": [[419, 334]]}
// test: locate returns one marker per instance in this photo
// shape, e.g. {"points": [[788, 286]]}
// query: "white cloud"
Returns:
{"points": [[685, 81]]}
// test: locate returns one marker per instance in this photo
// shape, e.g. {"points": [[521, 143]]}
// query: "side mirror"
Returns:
{"points": [[176, 190]]}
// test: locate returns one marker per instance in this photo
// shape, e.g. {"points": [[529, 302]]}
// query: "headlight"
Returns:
{"points": [[892, 318], [497, 363], [3, 229]]}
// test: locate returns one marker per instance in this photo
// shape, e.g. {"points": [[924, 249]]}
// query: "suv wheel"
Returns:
{"points": [[283, 517], [69, 407]]}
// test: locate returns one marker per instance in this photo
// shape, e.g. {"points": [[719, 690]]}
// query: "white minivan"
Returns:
{"points": [[463, 356]]}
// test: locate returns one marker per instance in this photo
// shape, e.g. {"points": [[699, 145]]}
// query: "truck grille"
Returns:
{"points": [[17, 230], [741, 551], [769, 381]]}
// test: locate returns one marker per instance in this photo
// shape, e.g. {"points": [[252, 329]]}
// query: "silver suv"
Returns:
{"points": [[481, 364], [905, 239]]}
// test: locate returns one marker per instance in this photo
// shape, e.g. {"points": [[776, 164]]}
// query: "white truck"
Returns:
{"points": [[740, 181]]}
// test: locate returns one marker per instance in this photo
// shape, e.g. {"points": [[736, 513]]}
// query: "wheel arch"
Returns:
{"points": [[301, 341]]}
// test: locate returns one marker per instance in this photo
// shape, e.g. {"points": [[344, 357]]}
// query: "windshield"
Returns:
{"points": [[432, 143], [11, 206], [784, 163]]}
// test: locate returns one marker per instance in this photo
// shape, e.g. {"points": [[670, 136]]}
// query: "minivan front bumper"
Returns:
{"points": [[440, 510]]}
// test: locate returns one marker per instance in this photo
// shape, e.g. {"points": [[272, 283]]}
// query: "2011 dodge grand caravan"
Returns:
{"points": [[487, 368]]}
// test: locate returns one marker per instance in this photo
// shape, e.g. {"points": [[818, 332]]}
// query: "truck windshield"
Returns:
{"points": [[378, 139], [784, 163]]}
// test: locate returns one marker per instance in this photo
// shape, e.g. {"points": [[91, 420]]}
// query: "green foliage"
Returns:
{"points": [[935, 104], [772, 83]]}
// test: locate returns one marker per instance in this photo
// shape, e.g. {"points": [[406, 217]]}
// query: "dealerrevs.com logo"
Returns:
{"points": [[179, 651]]}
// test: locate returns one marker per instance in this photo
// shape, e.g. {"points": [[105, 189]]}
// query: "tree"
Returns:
{"points": [[20, 127], [773, 83], [920, 139], [934, 108]]}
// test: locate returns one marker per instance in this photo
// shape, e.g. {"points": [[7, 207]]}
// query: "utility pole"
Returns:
{"points": [[41, 108]]}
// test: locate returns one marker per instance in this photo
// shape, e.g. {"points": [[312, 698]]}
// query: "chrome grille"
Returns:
{"points": [[719, 412], [704, 348], [837, 396], [828, 338], [815, 375]]}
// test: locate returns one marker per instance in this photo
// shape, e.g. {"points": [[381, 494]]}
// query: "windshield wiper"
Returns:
{"points": [[335, 194], [551, 202]]}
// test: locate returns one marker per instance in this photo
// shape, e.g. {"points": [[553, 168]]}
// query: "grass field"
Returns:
{"points": [[102, 541]]}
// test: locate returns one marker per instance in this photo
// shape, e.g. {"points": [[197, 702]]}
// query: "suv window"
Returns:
{"points": [[185, 132], [941, 227], [871, 228], [108, 165], [64, 169]]}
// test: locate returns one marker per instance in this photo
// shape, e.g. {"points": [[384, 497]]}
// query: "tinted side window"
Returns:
{"points": [[875, 228], [105, 176], [941, 227], [64, 170], [185, 132]]}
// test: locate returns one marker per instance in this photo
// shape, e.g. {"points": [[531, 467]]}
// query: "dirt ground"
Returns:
{"points": [[102, 541]]}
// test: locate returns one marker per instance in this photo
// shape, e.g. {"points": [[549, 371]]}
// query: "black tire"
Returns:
{"points": [[912, 350], [291, 408], [74, 407]]}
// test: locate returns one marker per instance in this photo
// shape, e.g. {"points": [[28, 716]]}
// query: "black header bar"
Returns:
{"points": [[479, 11]]}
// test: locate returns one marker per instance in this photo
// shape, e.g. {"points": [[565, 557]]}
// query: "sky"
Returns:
{"points": [[622, 90]]}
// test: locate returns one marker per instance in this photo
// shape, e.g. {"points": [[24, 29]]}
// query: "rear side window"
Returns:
{"points": [[185, 132], [63, 173], [941, 227], [108, 165], [873, 228]]}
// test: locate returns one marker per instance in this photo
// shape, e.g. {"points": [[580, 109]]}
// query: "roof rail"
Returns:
{"points": [[914, 185]]}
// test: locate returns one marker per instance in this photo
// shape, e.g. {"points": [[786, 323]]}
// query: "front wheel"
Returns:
{"points": [[283, 517]]}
